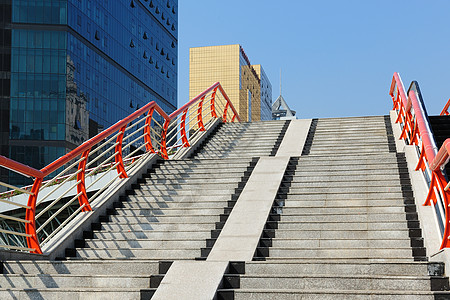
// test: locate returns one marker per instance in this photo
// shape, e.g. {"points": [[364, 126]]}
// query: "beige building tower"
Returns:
{"points": [[231, 67]]}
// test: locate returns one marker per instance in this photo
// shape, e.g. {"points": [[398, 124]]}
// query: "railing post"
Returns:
{"points": [[163, 140], [213, 106], [81, 186], [118, 156], [199, 115], [147, 131], [184, 137], [30, 217], [224, 117]]}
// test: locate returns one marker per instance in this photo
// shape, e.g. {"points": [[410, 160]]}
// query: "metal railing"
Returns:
{"points": [[444, 111], [413, 119], [30, 222]]}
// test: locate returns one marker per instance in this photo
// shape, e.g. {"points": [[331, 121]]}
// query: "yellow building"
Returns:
{"points": [[231, 67]]}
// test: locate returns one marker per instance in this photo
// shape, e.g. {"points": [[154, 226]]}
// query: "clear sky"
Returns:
{"points": [[337, 56]]}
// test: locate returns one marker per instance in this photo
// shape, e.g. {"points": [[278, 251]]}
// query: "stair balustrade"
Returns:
{"points": [[413, 119], [86, 172]]}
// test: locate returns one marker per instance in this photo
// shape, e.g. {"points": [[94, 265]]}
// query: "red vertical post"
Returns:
{"points": [[147, 131], [184, 137], [163, 140], [30, 216], [199, 115], [213, 102], [81, 186], [224, 117], [118, 157]]}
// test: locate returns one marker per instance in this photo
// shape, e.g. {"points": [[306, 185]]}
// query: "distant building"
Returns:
{"points": [[281, 110], [71, 68], [266, 94], [247, 86]]}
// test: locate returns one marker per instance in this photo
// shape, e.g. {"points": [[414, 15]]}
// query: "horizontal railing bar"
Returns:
{"points": [[72, 176], [15, 233], [15, 188], [58, 212], [63, 224], [17, 248], [14, 203], [62, 172], [101, 155], [14, 219], [56, 200]]}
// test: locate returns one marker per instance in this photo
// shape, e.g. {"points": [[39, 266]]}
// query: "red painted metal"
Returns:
{"points": [[213, 104], [20, 168], [445, 112], [424, 133], [81, 186], [163, 150], [199, 114], [30, 216], [84, 149], [416, 128], [147, 131], [184, 137], [99, 137], [118, 156], [224, 117]]}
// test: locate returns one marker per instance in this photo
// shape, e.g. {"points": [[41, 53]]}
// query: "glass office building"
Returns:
{"points": [[71, 68], [246, 85]]}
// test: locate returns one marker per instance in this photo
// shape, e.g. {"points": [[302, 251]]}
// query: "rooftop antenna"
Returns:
{"points": [[280, 81]]}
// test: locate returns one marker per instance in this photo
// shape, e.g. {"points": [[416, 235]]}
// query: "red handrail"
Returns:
{"points": [[444, 111], [415, 126], [120, 127]]}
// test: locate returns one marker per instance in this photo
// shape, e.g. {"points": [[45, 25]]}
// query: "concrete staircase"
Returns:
{"points": [[348, 226], [170, 214], [236, 140]]}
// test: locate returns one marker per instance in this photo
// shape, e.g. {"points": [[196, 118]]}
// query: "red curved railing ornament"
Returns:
{"points": [[84, 150], [118, 158], [81, 186]]}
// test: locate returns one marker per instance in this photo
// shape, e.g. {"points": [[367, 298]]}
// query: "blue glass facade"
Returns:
{"points": [[79, 66]]}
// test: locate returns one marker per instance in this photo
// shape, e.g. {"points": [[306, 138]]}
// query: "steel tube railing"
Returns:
{"points": [[157, 134]]}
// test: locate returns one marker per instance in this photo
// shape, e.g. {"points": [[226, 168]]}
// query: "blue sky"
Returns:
{"points": [[337, 56]]}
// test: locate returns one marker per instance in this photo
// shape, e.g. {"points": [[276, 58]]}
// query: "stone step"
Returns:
{"points": [[329, 205], [342, 234], [71, 293], [153, 235], [346, 190], [305, 294], [343, 226], [172, 187], [144, 244], [373, 283], [392, 253], [157, 226], [338, 169], [311, 195], [88, 267], [360, 184], [191, 192], [144, 198], [127, 253], [166, 212], [341, 243], [345, 179], [42, 281], [349, 217], [205, 203], [162, 219], [341, 268]]}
